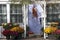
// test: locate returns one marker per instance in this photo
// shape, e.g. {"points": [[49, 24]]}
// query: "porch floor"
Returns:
{"points": [[38, 38], [33, 39]]}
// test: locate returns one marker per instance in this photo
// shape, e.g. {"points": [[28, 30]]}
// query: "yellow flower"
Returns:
{"points": [[50, 29], [17, 29], [47, 30]]}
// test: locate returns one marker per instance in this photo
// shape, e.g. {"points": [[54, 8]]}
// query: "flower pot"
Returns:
{"points": [[8, 37], [14, 37], [19, 36]]}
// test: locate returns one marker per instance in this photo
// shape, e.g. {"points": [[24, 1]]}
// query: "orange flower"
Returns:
{"points": [[53, 29]]}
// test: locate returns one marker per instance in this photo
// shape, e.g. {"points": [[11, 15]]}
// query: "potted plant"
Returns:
{"points": [[13, 30], [50, 30], [6, 32], [17, 30]]}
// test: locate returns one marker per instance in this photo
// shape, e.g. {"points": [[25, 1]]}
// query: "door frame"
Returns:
{"points": [[43, 17]]}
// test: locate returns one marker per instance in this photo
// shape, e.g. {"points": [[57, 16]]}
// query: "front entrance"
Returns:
{"points": [[36, 17]]}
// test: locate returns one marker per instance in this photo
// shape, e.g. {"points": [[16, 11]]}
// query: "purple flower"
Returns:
{"points": [[13, 33]]}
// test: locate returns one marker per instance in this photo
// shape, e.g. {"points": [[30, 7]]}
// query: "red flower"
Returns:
{"points": [[57, 32], [30, 32], [6, 32]]}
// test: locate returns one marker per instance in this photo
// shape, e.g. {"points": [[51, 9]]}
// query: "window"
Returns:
{"points": [[53, 12], [16, 13], [3, 12]]}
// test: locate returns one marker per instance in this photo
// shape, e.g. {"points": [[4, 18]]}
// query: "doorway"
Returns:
{"points": [[37, 22]]}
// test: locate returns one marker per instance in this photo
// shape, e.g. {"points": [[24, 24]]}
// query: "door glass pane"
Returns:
{"points": [[4, 9], [4, 19]]}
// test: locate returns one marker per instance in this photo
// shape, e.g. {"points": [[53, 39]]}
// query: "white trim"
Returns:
{"points": [[7, 2], [39, 2], [44, 19], [24, 20], [8, 13], [3, 2], [26, 14], [53, 2]]}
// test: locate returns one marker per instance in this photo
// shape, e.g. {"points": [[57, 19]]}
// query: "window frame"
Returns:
{"points": [[3, 14], [17, 13]]}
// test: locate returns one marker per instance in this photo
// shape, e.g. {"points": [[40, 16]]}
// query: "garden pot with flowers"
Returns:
{"points": [[13, 30], [50, 30], [16, 32], [57, 34], [6, 32]]}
